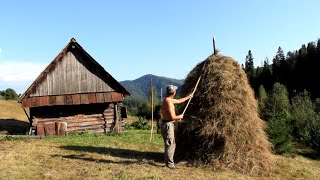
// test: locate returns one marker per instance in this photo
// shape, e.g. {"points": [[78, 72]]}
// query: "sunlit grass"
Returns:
{"points": [[11, 109], [129, 155]]}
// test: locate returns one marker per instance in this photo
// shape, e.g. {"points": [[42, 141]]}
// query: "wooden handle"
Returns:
{"points": [[194, 90]]}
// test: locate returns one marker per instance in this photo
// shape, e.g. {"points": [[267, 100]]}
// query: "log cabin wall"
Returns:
{"points": [[61, 120]]}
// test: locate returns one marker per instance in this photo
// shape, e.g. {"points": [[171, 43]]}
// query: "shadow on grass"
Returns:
{"points": [[135, 157], [13, 126]]}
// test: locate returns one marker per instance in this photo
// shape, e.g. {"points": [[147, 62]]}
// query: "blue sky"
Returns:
{"points": [[133, 38]]}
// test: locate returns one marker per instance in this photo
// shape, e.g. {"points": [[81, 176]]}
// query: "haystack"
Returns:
{"points": [[222, 126]]}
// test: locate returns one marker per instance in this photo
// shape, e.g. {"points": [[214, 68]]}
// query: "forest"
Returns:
{"points": [[288, 96]]}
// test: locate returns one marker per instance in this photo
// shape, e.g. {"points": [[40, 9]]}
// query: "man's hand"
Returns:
{"points": [[180, 117]]}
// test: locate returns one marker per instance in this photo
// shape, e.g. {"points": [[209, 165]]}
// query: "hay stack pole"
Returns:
{"points": [[151, 132], [215, 52]]}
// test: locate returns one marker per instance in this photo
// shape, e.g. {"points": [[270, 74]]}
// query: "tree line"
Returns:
{"points": [[8, 94], [288, 96], [297, 70]]}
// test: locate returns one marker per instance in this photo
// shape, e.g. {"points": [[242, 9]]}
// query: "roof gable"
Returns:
{"points": [[73, 71]]}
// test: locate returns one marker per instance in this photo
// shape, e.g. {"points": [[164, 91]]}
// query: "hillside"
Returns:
{"points": [[140, 88]]}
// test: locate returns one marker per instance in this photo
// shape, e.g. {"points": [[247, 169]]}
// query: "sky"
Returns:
{"points": [[133, 38]]}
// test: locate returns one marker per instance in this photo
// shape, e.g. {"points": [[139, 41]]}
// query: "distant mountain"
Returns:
{"points": [[140, 88]]}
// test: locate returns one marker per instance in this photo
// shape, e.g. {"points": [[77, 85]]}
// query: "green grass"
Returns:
{"points": [[129, 155]]}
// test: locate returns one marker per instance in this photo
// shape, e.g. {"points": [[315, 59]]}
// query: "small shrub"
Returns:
{"points": [[141, 123]]}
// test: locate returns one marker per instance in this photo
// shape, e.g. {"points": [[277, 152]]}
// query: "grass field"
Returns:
{"points": [[129, 155]]}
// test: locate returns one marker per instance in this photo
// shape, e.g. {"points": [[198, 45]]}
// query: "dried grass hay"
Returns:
{"points": [[222, 126]]}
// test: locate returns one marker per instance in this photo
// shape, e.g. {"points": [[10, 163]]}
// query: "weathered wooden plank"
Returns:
{"points": [[50, 119], [84, 99], [108, 114], [50, 128], [83, 128], [108, 111], [109, 121], [109, 108], [40, 130], [84, 124], [109, 125], [26, 103], [84, 79], [117, 118], [60, 100], [68, 99], [92, 98], [109, 118], [63, 128], [52, 100], [44, 101], [83, 120], [76, 98], [35, 101], [94, 115], [100, 97], [107, 97], [116, 97], [68, 74]]}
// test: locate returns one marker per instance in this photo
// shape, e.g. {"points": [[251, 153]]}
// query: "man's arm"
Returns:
{"points": [[181, 100]]}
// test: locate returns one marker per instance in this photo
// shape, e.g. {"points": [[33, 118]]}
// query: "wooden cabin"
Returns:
{"points": [[74, 93]]}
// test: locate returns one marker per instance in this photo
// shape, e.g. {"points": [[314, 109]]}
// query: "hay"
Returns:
{"points": [[222, 127]]}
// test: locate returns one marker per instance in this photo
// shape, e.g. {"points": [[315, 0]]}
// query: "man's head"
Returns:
{"points": [[171, 89]]}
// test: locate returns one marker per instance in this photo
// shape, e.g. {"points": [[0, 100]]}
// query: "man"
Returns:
{"points": [[167, 126]]}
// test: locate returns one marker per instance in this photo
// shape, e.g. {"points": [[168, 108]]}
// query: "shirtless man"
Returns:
{"points": [[167, 126]]}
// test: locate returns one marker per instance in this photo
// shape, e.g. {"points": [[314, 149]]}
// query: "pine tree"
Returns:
{"points": [[249, 69], [278, 118], [262, 100]]}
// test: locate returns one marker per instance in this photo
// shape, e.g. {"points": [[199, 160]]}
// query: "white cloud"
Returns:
{"points": [[1, 50], [19, 72]]}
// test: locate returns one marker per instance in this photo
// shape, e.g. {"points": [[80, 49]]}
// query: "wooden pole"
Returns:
{"points": [[194, 90], [27, 115], [151, 133]]}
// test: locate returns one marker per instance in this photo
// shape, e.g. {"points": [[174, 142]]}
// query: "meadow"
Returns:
{"points": [[129, 155]]}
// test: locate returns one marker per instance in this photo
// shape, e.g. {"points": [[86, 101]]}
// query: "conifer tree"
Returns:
{"points": [[278, 118]]}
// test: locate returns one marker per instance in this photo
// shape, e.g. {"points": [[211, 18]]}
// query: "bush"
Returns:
{"points": [[141, 123], [314, 130], [9, 94], [303, 117]]}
